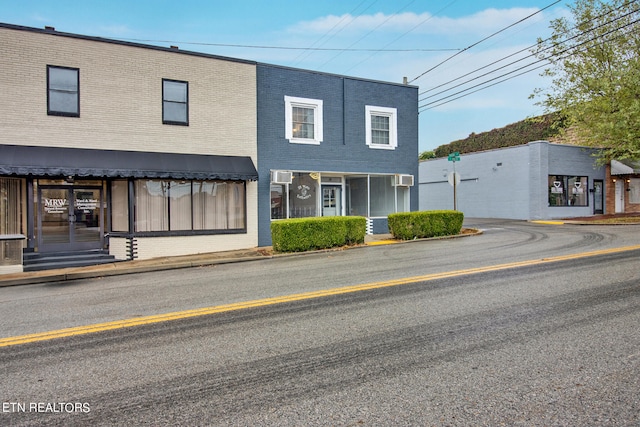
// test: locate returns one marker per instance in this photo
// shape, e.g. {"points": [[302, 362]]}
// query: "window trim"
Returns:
{"points": [[52, 112], [316, 105], [392, 113], [185, 103]]}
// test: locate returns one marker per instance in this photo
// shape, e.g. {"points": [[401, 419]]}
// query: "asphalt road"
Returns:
{"points": [[540, 344]]}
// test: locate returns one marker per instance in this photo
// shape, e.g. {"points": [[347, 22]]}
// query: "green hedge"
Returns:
{"points": [[304, 234], [412, 225]]}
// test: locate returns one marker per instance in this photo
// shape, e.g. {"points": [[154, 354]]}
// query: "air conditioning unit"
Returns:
{"points": [[281, 177], [404, 180]]}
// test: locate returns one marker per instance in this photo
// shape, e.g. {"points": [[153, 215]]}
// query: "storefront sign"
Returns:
{"points": [[86, 205], [55, 206], [578, 188], [304, 192], [557, 187]]}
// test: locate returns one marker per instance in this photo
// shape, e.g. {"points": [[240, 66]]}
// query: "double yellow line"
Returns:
{"points": [[147, 320]]}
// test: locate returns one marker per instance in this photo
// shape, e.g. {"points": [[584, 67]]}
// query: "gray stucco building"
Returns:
{"points": [[538, 180]]}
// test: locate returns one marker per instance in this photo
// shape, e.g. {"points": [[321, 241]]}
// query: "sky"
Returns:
{"points": [[453, 50]]}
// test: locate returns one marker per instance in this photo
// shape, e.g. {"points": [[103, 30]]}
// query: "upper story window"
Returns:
{"points": [[381, 127], [303, 120], [63, 91], [175, 102]]}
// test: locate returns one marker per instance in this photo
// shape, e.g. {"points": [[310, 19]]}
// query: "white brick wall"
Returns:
{"points": [[121, 97], [121, 109]]}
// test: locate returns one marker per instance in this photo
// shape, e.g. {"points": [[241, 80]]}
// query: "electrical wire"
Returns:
{"points": [[401, 36], [367, 35], [521, 59], [308, 51], [484, 39], [518, 52], [546, 61], [173, 42]]}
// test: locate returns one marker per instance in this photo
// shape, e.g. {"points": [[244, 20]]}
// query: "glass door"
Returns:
{"points": [[69, 218], [331, 200], [598, 197]]}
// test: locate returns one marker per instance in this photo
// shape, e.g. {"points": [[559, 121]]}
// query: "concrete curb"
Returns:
{"points": [[174, 263]]}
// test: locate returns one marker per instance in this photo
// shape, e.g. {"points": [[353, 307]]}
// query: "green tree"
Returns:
{"points": [[427, 155], [595, 70]]}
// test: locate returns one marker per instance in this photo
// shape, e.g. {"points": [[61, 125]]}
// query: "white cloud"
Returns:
{"points": [[424, 23]]}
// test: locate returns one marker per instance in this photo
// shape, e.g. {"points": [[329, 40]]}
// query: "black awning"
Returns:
{"points": [[80, 162]]}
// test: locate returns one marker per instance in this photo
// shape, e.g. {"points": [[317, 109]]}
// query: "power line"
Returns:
{"points": [[522, 59], [307, 51], [478, 90], [366, 35], [401, 36], [173, 42], [484, 39], [546, 61], [520, 51]]}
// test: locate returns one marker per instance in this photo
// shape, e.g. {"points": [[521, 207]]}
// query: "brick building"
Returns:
{"points": [[138, 151], [333, 145], [105, 144]]}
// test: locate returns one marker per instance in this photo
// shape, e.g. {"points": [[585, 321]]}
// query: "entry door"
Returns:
{"points": [[619, 196], [69, 218], [598, 197], [331, 200]]}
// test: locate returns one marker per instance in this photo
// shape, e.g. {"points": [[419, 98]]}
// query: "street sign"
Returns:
{"points": [[454, 157]]}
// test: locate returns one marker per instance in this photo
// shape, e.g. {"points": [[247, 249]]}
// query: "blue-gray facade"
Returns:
{"points": [[538, 180], [342, 159]]}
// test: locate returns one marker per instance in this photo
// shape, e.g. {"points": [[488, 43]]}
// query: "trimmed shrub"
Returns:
{"points": [[305, 234], [413, 225]]}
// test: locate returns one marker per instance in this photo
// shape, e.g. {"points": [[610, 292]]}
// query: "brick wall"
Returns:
{"points": [[121, 97], [121, 109], [343, 149]]}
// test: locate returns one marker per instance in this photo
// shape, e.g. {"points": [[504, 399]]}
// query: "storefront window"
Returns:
{"points": [[568, 190], [634, 190], [11, 206], [382, 195], [403, 199], [303, 198], [119, 205], [278, 201], [189, 205], [364, 195], [152, 203], [180, 205], [357, 195], [218, 205]]}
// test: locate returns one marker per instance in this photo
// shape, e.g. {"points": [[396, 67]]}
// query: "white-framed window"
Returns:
{"points": [[303, 120], [381, 127]]}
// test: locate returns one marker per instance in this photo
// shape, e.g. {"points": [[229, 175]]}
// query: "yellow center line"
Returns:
{"points": [[147, 320]]}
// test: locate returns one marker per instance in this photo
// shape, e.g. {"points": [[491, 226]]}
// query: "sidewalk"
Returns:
{"points": [[158, 264]]}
